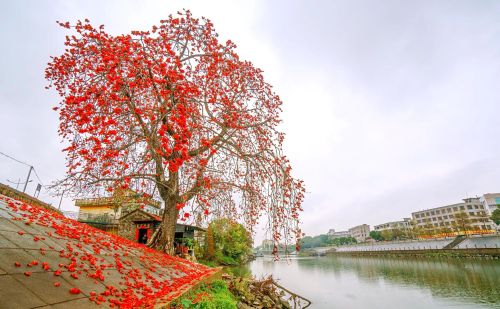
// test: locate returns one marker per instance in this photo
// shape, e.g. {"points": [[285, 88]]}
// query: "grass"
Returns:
{"points": [[214, 295]]}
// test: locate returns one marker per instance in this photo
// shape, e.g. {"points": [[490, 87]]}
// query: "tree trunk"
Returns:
{"points": [[163, 238]]}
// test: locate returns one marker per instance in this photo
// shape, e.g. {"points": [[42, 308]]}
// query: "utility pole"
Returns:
{"points": [[27, 179], [60, 201]]}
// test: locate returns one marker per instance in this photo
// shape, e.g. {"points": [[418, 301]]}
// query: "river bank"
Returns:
{"points": [[342, 281], [479, 253], [243, 292]]}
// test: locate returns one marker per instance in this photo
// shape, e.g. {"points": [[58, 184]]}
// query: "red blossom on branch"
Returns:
{"points": [[174, 113]]}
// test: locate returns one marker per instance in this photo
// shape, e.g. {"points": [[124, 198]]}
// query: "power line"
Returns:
{"points": [[19, 161], [14, 159], [36, 174]]}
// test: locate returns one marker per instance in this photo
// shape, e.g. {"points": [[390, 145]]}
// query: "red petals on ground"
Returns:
{"points": [[146, 275], [75, 291]]}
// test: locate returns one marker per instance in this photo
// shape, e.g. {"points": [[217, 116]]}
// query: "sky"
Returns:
{"points": [[389, 106]]}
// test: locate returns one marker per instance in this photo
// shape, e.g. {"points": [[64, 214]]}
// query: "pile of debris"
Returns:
{"points": [[263, 293]]}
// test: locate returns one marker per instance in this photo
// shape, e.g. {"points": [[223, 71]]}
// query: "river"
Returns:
{"points": [[373, 282]]}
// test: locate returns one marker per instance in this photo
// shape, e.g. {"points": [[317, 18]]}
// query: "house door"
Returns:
{"points": [[142, 236]]}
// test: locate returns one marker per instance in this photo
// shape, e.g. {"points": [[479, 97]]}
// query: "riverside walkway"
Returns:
{"points": [[471, 242], [49, 261]]}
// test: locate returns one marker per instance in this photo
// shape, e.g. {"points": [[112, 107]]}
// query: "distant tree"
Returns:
{"points": [[376, 235], [429, 229], [324, 240], [233, 243], [341, 241], [462, 221], [306, 242], [446, 230], [413, 229], [386, 234], [495, 216], [397, 233]]}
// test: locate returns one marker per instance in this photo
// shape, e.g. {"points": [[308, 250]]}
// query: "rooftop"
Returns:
{"points": [[49, 260], [118, 197]]}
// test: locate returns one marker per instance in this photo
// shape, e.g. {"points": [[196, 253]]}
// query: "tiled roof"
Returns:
{"points": [[49, 260]]}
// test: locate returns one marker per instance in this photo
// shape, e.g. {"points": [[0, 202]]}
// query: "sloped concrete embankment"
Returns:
{"points": [[474, 247]]}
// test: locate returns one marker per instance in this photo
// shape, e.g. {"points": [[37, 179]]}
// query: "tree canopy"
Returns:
{"points": [[173, 112], [231, 241]]}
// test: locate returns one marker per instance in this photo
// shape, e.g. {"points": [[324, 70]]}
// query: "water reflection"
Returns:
{"points": [[354, 282]]}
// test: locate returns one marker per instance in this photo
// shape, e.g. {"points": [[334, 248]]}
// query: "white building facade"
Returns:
{"points": [[405, 224], [360, 232], [446, 216]]}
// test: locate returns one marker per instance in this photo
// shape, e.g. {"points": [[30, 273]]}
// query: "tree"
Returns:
{"points": [[210, 244], [233, 243], [387, 234], [343, 241], [495, 216], [462, 221], [376, 235], [174, 113]]}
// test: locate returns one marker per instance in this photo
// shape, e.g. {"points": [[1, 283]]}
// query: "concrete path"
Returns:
{"points": [[49, 261]]}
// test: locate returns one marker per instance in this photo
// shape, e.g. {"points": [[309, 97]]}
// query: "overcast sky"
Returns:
{"points": [[389, 106]]}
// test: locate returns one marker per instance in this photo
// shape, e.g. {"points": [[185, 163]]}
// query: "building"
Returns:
{"points": [[105, 212], [405, 224], [471, 213], [140, 225], [333, 235], [490, 201], [131, 216], [267, 244], [360, 232]]}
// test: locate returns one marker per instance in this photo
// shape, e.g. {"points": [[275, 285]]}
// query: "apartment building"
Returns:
{"points": [[360, 232], [332, 234], [405, 224], [476, 212], [490, 201]]}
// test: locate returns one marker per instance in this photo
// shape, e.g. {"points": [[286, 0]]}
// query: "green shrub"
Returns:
{"points": [[208, 296]]}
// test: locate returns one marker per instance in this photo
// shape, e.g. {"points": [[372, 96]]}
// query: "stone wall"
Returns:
{"points": [[127, 226], [20, 196]]}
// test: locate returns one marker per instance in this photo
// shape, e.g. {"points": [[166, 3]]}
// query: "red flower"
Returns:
{"points": [[75, 291], [27, 273], [57, 284], [17, 264]]}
